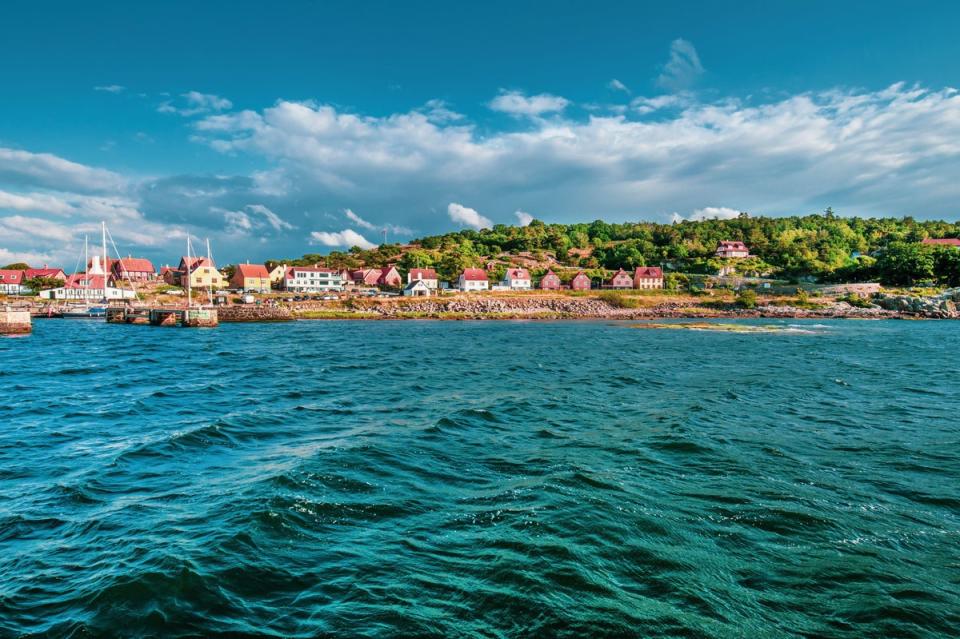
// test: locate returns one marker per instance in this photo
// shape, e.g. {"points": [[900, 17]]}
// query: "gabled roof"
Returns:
{"points": [[550, 273], [648, 271], [196, 262], [943, 241], [252, 270], [517, 274], [732, 245], [31, 273], [414, 284], [474, 275], [618, 274], [93, 281], [11, 276], [423, 274], [133, 265], [580, 274]]}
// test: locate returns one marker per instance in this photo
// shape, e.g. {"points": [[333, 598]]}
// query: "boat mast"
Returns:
{"points": [[210, 280], [86, 268], [188, 265], [103, 231]]}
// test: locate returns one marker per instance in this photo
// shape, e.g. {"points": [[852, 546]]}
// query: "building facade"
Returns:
{"points": [[251, 278], [517, 279], [648, 277], [426, 275], [312, 279], [473, 279], [728, 248], [550, 282]]}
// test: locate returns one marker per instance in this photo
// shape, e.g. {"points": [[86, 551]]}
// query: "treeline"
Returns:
{"points": [[825, 246]]}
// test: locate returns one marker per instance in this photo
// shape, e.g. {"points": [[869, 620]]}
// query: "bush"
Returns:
{"points": [[856, 300], [618, 300], [747, 298]]}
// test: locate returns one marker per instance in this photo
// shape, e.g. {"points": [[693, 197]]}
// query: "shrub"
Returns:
{"points": [[747, 298]]}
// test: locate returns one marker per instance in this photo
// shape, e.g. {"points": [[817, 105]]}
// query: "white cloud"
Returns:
{"points": [[345, 238], [47, 170], [523, 218], [196, 103], [359, 221], [110, 88], [709, 213], [683, 68], [253, 218], [468, 217], [518, 104], [617, 85]]}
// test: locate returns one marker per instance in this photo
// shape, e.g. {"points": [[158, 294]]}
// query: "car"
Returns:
{"points": [[330, 297], [317, 297]]}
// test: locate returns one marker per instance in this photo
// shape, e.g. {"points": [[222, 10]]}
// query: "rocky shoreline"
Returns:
{"points": [[577, 308]]}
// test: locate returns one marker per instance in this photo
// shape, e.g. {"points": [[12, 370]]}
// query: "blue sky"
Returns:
{"points": [[308, 126]]}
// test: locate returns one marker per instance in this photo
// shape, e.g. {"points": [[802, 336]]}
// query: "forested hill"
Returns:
{"points": [[826, 246]]}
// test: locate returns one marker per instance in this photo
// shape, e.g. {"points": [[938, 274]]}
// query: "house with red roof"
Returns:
{"points": [[473, 279], [132, 268], [89, 287], [365, 276], [729, 248], [580, 282], [11, 282], [648, 277], [550, 281], [620, 279], [516, 279], [390, 276], [45, 272], [251, 278], [943, 241], [426, 275], [312, 279]]}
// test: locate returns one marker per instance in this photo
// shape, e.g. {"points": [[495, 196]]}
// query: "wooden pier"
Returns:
{"points": [[182, 317]]}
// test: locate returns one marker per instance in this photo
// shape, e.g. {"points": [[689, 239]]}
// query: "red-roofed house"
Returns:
{"points": [[390, 276], [251, 278], [943, 241], [133, 268], [580, 282], [732, 249], [366, 276], [648, 277], [11, 282], [550, 282], [426, 275], [620, 279], [49, 273], [517, 279], [473, 279]]}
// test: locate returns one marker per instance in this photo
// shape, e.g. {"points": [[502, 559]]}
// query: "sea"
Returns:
{"points": [[481, 479]]}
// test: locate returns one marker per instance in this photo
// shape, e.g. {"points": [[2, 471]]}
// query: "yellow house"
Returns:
{"points": [[252, 278], [278, 273], [203, 273]]}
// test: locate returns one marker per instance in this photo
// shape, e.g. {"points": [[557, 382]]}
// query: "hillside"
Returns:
{"points": [[826, 246]]}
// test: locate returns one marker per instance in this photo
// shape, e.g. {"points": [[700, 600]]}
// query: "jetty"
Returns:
{"points": [[182, 317], [14, 322]]}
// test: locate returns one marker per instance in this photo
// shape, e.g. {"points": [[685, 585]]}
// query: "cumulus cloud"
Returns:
{"points": [[709, 213], [523, 218], [468, 217], [46, 170], [617, 85], [346, 238], [195, 103], [110, 88], [683, 68], [517, 104]]}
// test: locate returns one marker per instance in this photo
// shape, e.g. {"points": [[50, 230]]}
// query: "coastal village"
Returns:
{"points": [[281, 291]]}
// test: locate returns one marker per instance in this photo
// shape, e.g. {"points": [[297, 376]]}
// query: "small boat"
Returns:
{"points": [[84, 312]]}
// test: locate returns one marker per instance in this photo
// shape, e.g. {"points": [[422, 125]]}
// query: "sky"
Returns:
{"points": [[278, 129]]}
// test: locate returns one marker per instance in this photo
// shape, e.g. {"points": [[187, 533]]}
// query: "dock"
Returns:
{"points": [[181, 317]]}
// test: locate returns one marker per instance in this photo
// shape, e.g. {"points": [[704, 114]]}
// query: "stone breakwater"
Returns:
{"points": [[586, 308], [942, 306], [255, 314]]}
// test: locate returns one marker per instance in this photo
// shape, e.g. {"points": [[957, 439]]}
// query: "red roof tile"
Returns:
{"points": [[252, 270], [474, 275]]}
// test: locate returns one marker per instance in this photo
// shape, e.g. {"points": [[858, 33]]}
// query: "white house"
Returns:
{"points": [[312, 279], [517, 279], [473, 279], [11, 282], [426, 275], [417, 288]]}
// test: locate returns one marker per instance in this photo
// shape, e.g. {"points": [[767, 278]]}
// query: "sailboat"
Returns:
{"points": [[88, 311]]}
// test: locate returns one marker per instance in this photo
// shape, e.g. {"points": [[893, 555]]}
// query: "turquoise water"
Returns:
{"points": [[480, 479]]}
